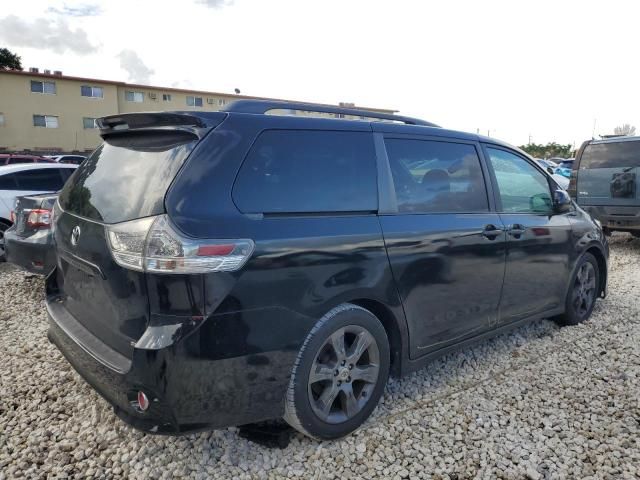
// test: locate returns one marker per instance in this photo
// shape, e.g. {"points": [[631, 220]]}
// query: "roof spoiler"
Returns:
{"points": [[158, 120]]}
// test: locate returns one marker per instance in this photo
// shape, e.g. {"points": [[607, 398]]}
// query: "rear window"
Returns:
{"points": [[302, 171], [611, 155], [127, 176]]}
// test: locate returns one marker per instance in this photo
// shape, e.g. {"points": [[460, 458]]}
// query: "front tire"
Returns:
{"points": [[583, 292], [339, 374]]}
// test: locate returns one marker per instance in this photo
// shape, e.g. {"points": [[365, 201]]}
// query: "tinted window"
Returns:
{"points": [[8, 182], [308, 171], [44, 179], [522, 187], [434, 177], [611, 155], [127, 177]]}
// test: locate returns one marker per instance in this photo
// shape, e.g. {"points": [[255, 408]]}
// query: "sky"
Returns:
{"points": [[516, 70]]}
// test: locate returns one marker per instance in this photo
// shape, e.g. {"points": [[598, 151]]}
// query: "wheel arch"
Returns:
{"points": [[391, 325], [6, 222], [602, 268]]}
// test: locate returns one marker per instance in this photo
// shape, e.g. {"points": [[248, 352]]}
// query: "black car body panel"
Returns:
{"points": [[217, 349], [31, 248]]}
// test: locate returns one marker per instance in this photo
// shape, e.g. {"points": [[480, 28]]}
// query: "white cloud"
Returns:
{"points": [[134, 66], [42, 33]]}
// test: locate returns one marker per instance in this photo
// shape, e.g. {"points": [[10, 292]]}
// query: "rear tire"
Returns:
{"points": [[3, 228], [339, 374], [583, 292]]}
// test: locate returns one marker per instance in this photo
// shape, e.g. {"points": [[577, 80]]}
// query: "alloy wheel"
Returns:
{"points": [[584, 289], [344, 373]]}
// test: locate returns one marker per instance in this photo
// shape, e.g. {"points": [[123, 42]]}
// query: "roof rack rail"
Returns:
{"points": [[263, 106]]}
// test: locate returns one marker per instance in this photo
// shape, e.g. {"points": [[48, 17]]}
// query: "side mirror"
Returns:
{"points": [[550, 171], [561, 201]]}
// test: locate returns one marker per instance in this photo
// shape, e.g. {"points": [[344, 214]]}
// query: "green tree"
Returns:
{"points": [[9, 60], [549, 150]]}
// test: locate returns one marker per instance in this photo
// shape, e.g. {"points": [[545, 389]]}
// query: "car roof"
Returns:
{"points": [[615, 140], [18, 167], [19, 155]]}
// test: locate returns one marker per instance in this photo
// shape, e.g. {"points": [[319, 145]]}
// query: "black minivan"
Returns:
{"points": [[225, 268], [604, 182]]}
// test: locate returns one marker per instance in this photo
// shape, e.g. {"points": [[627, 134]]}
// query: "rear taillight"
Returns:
{"points": [[152, 244], [12, 216], [38, 218]]}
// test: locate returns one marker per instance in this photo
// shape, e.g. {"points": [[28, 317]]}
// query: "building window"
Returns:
{"points": [[1, 119], [93, 92], [47, 121], [88, 122], [43, 87], [137, 97], [166, 97], [194, 101], [221, 102]]}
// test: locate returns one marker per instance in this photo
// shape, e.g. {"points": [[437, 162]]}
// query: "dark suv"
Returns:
{"points": [[604, 182], [225, 268]]}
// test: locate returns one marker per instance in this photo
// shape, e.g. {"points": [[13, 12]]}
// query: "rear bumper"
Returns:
{"points": [[616, 218], [35, 253], [187, 391]]}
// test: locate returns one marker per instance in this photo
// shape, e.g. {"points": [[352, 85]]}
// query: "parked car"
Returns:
{"points": [[27, 179], [75, 159], [11, 159], [224, 268], [565, 165], [605, 182], [546, 163], [29, 242]]}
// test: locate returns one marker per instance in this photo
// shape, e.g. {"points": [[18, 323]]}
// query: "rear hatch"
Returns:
{"points": [[608, 174], [126, 178]]}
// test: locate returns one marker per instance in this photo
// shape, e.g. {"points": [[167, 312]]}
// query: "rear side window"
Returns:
{"points": [[436, 177], [611, 155], [43, 179], [127, 176], [302, 171]]}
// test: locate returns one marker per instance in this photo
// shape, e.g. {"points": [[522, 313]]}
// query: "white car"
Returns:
{"points": [[75, 159], [27, 179]]}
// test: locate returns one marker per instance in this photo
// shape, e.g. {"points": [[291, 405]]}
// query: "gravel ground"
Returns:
{"points": [[539, 403]]}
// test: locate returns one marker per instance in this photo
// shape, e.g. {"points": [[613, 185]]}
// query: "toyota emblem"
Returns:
{"points": [[75, 235]]}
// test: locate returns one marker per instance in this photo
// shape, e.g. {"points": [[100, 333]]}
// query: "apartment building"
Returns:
{"points": [[48, 112]]}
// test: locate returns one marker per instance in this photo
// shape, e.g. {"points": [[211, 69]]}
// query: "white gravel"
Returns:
{"points": [[539, 403]]}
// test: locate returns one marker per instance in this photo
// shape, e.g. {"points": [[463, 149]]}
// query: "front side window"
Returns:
{"points": [[8, 182], [436, 177], [137, 97], [43, 179], [306, 171], [522, 187], [194, 101], [93, 92], [47, 121], [43, 87], [88, 122]]}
